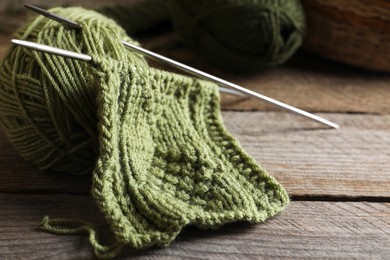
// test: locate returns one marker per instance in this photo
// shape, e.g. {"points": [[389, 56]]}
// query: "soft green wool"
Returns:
{"points": [[240, 35], [154, 141]]}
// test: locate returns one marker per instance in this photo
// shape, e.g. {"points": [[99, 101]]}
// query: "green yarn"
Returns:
{"points": [[154, 141], [240, 35]]}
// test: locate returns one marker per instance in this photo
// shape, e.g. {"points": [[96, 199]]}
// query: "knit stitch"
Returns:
{"points": [[160, 154]]}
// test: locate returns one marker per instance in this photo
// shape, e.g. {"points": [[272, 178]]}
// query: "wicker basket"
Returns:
{"points": [[356, 32]]}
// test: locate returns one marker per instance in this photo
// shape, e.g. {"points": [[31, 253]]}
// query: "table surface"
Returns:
{"points": [[338, 180]]}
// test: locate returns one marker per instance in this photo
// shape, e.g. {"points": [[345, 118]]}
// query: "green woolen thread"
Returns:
{"points": [[154, 141], [239, 35]]}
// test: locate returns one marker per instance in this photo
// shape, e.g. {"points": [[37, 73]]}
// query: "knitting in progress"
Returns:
{"points": [[153, 141]]}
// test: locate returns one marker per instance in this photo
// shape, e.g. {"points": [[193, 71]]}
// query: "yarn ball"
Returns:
{"points": [[241, 35], [48, 102]]}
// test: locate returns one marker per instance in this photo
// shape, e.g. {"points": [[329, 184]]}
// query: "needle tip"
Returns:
{"points": [[15, 41], [55, 17], [331, 124]]}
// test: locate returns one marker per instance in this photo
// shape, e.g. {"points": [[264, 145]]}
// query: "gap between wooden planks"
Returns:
{"points": [[306, 158], [305, 229]]}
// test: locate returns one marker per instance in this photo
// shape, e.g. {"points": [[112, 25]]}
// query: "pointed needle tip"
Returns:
{"points": [[329, 123], [52, 16]]}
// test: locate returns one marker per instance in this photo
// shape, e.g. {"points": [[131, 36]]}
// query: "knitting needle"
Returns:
{"points": [[53, 50], [79, 56], [223, 82], [241, 90], [236, 89], [53, 16], [77, 26]]}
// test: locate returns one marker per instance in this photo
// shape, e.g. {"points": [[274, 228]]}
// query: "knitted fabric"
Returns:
{"points": [[160, 154]]}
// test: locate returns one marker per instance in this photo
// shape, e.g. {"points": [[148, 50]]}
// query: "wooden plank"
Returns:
{"points": [[310, 160], [305, 229], [306, 158], [316, 85]]}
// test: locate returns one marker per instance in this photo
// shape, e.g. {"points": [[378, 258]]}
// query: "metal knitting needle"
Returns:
{"points": [[223, 82], [239, 90], [53, 50], [73, 24], [77, 26], [79, 56], [53, 16], [236, 89]]}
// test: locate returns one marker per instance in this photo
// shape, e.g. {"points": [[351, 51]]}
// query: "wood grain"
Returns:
{"points": [[307, 159], [354, 31], [315, 85], [310, 160], [305, 229]]}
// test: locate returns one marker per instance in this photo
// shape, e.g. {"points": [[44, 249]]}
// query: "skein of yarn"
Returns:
{"points": [[240, 35], [154, 141], [49, 112]]}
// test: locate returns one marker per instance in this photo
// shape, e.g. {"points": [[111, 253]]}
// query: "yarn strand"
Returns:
{"points": [[64, 226]]}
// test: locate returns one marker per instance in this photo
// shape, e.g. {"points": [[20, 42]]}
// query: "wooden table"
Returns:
{"points": [[338, 180]]}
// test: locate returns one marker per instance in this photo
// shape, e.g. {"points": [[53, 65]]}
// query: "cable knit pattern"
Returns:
{"points": [[153, 140]]}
